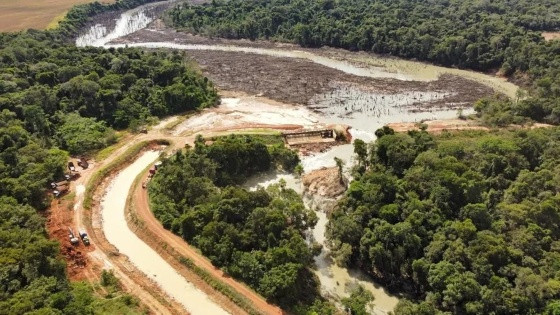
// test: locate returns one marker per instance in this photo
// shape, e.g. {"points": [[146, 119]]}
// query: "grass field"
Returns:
{"points": [[17, 15]]}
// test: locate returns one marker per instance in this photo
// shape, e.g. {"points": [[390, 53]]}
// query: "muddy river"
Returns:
{"points": [[140, 254], [360, 106]]}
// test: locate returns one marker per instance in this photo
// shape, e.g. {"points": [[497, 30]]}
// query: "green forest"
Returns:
{"points": [[72, 97], [255, 236], [55, 100], [481, 35], [465, 223]]}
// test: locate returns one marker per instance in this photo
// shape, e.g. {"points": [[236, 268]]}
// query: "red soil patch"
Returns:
{"points": [[59, 218]]}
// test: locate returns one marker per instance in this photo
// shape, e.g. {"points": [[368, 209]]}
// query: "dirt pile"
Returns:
{"points": [[438, 126], [324, 182]]}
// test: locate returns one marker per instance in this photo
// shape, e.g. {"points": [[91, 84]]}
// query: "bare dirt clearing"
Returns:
{"points": [[108, 256], [551, 36], [294, 80], [170, 246], [439, 126], [18, 15]]}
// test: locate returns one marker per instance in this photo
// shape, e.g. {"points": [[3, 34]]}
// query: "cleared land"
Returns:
{"points": [[551, 35], [17, 15]]}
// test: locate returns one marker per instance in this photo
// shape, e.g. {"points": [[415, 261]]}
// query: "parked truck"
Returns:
{"points": [[58, 184], [60, 190], [73, 239], [84, 237], [83, 163]]}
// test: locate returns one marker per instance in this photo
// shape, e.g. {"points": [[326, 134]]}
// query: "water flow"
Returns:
{"points": [[346, 67], [128, 22], [141, 255]]}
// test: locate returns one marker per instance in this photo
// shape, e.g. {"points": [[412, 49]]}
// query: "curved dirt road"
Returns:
{"points": [[103, 255], [139, 253], [152, 226]]}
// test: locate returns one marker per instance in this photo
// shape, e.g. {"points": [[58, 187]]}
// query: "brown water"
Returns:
{"points": [[140, 254]]}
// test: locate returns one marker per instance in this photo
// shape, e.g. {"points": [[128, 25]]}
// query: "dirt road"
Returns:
{"points": [[86, 263], [152, 227]]}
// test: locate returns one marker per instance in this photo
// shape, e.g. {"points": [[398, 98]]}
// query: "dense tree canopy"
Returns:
{"points": [[57, 99], [467, 223], [51, 87], [256, 236]]}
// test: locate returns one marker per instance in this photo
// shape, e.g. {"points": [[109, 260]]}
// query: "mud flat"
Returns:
{"points": [[363, 63], [139, 253], [243, 111]]}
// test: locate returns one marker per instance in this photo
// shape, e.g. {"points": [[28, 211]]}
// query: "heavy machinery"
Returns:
{"points": [[73, 239], [84, 237], [83, 163]]}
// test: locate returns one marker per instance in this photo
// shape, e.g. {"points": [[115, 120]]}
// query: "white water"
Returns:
{"points": [[141, 255], [343, 66], [129, 22]]}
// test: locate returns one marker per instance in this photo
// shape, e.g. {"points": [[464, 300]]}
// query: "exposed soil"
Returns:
{"points": [[109, 257], [551, 36], [438, 126], [170, 247], [103, 255], [295, 80], [307, 149], [324, 182], [59, 219]]}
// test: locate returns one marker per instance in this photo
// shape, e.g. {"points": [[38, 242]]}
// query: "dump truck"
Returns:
{"points": [[73, 239], [60, 190], [71, 167], [84, 237], [83, 163]]}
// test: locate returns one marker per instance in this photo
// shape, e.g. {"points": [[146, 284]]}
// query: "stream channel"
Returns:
{"points": [[363, 110]]}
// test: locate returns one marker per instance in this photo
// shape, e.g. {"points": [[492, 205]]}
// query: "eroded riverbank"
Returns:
{"points": [[357, 89], [141, 255]]}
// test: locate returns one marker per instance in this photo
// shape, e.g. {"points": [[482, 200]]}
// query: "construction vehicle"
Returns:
{"points": [[60, 190], [71, 176], [58, 184], [73, 239], [71, 167], [83, 163], [84, 237]]}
